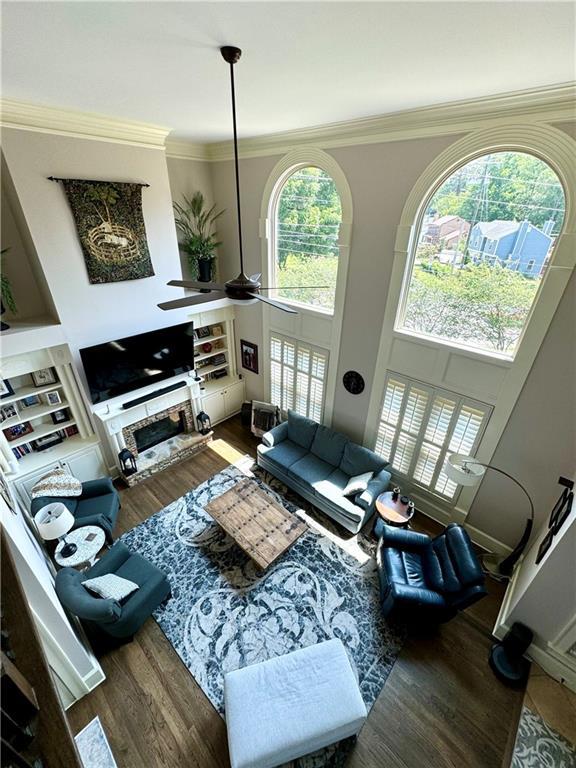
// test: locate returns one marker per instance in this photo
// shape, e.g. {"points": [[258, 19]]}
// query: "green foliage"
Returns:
{"points": [[480, 305], [318, 270], [195, 225], [104, 194], [511, 186], [6, 288]]}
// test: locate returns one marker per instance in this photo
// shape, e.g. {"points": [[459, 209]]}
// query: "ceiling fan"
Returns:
{"points": [[241, 289]]}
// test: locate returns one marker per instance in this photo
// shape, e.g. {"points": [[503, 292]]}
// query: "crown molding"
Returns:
{"points": [[551, 104], [187, 150], [86, 125]]}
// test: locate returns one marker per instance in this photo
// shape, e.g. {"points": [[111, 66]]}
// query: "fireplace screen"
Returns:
{"points": [[158, 431]]}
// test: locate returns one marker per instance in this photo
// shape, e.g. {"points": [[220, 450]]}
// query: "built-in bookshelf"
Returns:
{"points": [[35, 414], [211, 352]]}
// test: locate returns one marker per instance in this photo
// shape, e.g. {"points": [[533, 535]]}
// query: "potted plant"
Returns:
{"points": [[198, 238], [7, 295]]}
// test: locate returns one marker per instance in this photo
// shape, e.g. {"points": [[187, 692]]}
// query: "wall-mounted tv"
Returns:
{"points": [[124, 365]]}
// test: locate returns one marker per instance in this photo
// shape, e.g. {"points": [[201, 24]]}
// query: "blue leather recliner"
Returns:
{"points": [[424, 579]]}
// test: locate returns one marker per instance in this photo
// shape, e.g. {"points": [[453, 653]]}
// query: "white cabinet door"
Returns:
{"points": [[215, 406], [88, 465], [234, 396]]}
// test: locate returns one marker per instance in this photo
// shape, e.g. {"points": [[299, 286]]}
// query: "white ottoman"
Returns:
{"points": [[289, 706]]}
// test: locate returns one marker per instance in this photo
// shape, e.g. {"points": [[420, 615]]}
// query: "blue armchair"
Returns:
{"points": [[98, 504], [120, 620], [427, 579]]}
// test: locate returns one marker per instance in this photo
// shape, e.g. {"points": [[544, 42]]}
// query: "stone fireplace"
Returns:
{"points": [[153, 430]]}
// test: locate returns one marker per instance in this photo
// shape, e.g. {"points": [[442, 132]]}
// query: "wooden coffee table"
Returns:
{"points": [[258, 524]]}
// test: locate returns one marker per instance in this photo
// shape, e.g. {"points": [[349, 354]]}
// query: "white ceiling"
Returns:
{"points": [[304, 64]]}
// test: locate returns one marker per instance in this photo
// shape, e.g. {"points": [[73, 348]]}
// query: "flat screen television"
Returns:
{"points": [[124, 365]]}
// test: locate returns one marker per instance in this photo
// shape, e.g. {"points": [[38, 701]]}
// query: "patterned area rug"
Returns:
{"points": [[538, 746], [225, 614]]}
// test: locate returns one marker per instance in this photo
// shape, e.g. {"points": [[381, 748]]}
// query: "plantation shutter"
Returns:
{"points": [[297, 376], [420, 425]]}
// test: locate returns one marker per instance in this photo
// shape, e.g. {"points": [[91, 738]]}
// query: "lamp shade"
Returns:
{"points": [[54, 520], [464, 470]]}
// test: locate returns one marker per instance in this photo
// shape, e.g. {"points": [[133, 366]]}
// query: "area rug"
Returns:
{"points": [[225, 613], [93, 746], [539, 746]]}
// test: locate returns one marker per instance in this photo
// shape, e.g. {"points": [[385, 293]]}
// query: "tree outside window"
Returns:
{"points": [[485, 242]]}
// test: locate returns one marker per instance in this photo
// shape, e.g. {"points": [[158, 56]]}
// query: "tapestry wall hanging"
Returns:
{"points": [[109, 221]]}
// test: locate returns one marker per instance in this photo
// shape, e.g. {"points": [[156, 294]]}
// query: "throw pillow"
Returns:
{"points": [[357, 484], [58, 482], [111, 587]]}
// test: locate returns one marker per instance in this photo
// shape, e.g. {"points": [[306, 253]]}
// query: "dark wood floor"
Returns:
{"points": [[441, 705]]}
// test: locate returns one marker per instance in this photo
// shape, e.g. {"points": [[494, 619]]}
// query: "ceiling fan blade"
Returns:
{"points": [[255, 278], [193, 285], [273, 303], [190, 301], [294, 287]]}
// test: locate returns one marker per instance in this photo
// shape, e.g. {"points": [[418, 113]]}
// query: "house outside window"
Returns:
{"points": [[477, 288]]}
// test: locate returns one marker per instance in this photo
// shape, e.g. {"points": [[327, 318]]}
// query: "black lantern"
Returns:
{"points": [[204, 423], [127, 462]]}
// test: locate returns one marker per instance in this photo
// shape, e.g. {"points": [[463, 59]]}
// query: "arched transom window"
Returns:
{"points": [[483, 247], [307, 218]]}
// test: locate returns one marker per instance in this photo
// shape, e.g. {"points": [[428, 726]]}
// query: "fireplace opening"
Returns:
{"points": [[158, 431]]}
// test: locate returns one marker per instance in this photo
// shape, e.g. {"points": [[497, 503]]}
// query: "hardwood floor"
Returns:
{"points": [[441, 705]]}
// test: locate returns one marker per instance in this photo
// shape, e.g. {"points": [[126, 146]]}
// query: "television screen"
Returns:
{"points": [[121, 366]]}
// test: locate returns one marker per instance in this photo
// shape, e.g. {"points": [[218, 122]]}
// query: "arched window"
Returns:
{"points": [[483, 246], [307, 219]]}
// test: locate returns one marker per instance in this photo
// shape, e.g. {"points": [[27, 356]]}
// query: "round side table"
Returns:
{"points": [[394, 512], [89, 539]]}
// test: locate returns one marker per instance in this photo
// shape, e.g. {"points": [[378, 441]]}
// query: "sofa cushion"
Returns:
{"points": [[301, 430], [357, 484], [311, 469], [331, 489], [284, 454], [111, 587], [357, 459], [329, 445], [58, 482], [99, 506]]}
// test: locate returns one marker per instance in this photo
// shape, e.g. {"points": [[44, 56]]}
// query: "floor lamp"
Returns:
{"points": [[468, 471]]}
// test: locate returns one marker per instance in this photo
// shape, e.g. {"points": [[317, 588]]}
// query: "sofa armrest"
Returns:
{"points": [[110, 562], [276, 435], [100, 487], [376, 486], [402, 538]]}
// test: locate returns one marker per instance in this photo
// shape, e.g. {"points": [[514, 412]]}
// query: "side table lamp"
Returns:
{"points": [[468, 471], [54, 521]]}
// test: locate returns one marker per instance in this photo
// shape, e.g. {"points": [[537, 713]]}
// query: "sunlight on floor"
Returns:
{"points": [[230, 454]]}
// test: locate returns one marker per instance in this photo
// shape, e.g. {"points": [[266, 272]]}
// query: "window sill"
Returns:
{"points": [[307, 308]]}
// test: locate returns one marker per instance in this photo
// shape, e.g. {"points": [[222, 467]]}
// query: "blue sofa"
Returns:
{"points": [[317, 462]]}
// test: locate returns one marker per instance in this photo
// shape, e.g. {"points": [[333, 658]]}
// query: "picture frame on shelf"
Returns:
{"points": [[8, 412], [59, 417], [249, 355], [53, 398], [42, 443], [6, 388], [204, 332], [30, 401], [44, 376], [18, 430], [216, 330]]}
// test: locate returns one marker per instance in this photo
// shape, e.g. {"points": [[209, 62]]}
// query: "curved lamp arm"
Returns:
{"points": [[517, 482]]}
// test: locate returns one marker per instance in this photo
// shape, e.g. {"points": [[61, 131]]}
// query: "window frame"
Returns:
{"points": [[304, 346], [416, 230], [432, 392]]}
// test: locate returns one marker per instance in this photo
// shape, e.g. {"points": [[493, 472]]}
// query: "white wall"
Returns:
{"points": [[91, 314]]}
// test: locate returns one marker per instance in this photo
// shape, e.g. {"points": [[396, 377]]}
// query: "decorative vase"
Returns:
{"points": [[204, 270]]}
